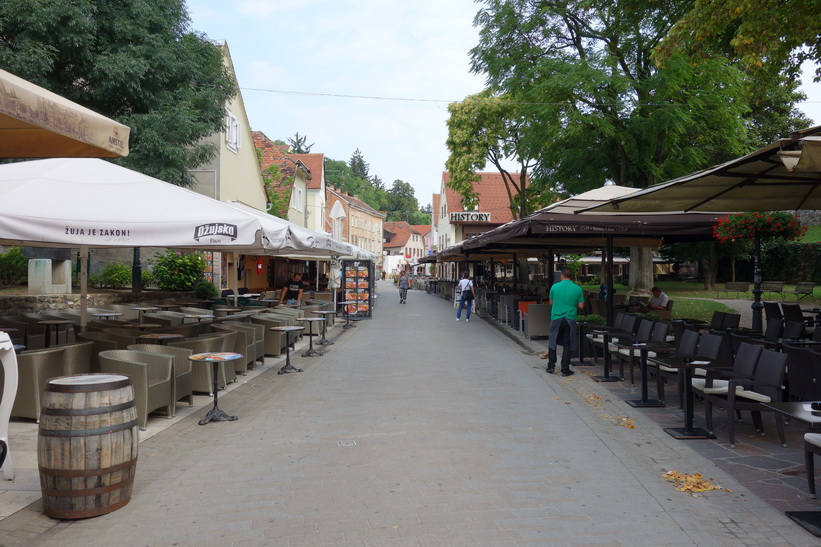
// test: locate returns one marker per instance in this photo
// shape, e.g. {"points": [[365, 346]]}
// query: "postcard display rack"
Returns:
{"points": [[357, 281]]}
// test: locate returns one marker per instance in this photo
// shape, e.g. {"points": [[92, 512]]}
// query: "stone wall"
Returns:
{"points": [[14, 305]]}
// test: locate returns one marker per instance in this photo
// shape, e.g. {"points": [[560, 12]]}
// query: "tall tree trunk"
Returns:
{"points": [[712, 268], [641, 271]]}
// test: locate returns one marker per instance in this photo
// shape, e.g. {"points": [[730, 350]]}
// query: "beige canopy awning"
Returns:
{"points": [[36, 123]]}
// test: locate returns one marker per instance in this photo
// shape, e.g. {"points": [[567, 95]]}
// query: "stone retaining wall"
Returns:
{"points": [[14, 305]]}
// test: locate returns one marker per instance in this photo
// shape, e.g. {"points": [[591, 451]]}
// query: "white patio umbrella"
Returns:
{"points": [[84, 203], [36, 123]]}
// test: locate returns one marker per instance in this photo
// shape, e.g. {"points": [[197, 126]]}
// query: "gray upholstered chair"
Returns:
{"points": [[152, 376], [183, 377], [34, 368]]}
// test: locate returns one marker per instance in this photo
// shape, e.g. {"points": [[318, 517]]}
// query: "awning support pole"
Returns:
{"points": [[757, 306]]}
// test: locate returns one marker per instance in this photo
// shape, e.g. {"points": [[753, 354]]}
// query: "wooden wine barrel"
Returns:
{"points": [[87, 445]]}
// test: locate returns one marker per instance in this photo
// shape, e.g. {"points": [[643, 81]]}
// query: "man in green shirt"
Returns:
{"points": [[566, 299]]}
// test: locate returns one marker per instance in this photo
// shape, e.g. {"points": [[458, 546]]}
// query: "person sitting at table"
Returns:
{"points": [[657, 302], [292, 292]]}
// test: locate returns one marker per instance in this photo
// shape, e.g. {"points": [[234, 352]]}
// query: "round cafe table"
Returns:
{"points": [[141, 310], [56, 323], [348, 324], [160, 337], [311, 321], [288, 329], [216, 358], [324, 341], [199, 316], [106, 315]]}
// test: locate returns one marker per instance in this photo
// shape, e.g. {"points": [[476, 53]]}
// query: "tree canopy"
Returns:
{"points": [[598, 107], [488, 128], [776, 35], [137, 62]]}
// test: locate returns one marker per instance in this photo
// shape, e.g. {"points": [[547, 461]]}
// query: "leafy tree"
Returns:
{"points": [[339, 174], [358, 165], [597, 106], [778, 34], [487, 128], [137, 62], [13, 268], [298, 144], [176, 271], [402, 202], [420, 217], [377, 183]]}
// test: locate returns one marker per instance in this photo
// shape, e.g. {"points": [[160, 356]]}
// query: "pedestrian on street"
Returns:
{"points": [[566, 299], [466, 288], [404, 285]]}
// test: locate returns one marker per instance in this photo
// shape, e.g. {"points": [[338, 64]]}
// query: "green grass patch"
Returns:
{"points": [[813, 235]]}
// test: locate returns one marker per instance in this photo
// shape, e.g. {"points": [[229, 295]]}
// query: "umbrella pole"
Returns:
{"points": [[610, 298], [83, 287], [757, 304]]}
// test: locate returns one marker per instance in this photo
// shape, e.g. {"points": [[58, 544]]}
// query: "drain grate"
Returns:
{"points": [[346, 443]]}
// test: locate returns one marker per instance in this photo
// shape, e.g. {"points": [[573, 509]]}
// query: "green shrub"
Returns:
{"points": [[115, 275], [592, 318], [176, 271], [147, 278], [13, 268], [205, 290]]}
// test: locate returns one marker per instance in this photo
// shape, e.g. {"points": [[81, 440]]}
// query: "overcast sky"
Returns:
{"points": [[335, 71]]}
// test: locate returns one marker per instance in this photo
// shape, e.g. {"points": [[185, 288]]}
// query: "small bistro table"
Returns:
{"points": [[160, 337], [56, 323], [311, 321], [288, 329], [348, 324], [216, 358], [325, 313]]}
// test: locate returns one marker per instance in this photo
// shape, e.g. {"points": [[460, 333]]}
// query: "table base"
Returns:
{"points": [[325, 342], [217, 414], [809, 520], [649, 403], [288, 368], [695, 433], [606, 378], [348, 326], [314, 352], [581, 363]]}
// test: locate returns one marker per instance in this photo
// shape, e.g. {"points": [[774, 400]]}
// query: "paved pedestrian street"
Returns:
{"points": [[418, 430]]}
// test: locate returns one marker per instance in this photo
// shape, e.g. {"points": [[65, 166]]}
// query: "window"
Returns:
{"points": [[233, 132], [296, 199]]}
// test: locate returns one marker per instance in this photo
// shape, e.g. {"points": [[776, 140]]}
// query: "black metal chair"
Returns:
{"points": [[717, 320], [766, 385]]}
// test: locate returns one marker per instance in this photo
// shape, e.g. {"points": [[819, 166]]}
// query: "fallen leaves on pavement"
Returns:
{"points": [[691, 483]]}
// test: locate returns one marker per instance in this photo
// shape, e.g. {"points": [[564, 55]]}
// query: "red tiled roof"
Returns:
{"points": [[403, 231], [315, 164], [423, 229], [273, 153], [493, 196]]}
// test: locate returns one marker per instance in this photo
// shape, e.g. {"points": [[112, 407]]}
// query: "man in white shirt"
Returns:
{"points": [[657, 302]]}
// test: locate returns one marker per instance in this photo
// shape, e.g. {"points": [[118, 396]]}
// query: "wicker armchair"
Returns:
{"points": [[244, 344], [183, 377], [151, 376], [78, 358], [257, 333], [34, 368], [274, 341]]}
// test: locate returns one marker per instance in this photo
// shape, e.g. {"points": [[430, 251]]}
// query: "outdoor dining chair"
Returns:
{"points": [[151, 377], [802, 374], [745, 393], [666, 367], [183, 380]]}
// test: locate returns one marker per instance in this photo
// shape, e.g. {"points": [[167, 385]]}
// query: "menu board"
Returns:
{"points": [[357, 285]]}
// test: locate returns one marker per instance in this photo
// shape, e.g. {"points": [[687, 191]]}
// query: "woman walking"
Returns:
{"points": [[466, 288], [403, 288]]}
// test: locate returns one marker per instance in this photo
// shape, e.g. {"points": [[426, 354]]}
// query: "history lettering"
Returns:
{"points": [[470, 216]]}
